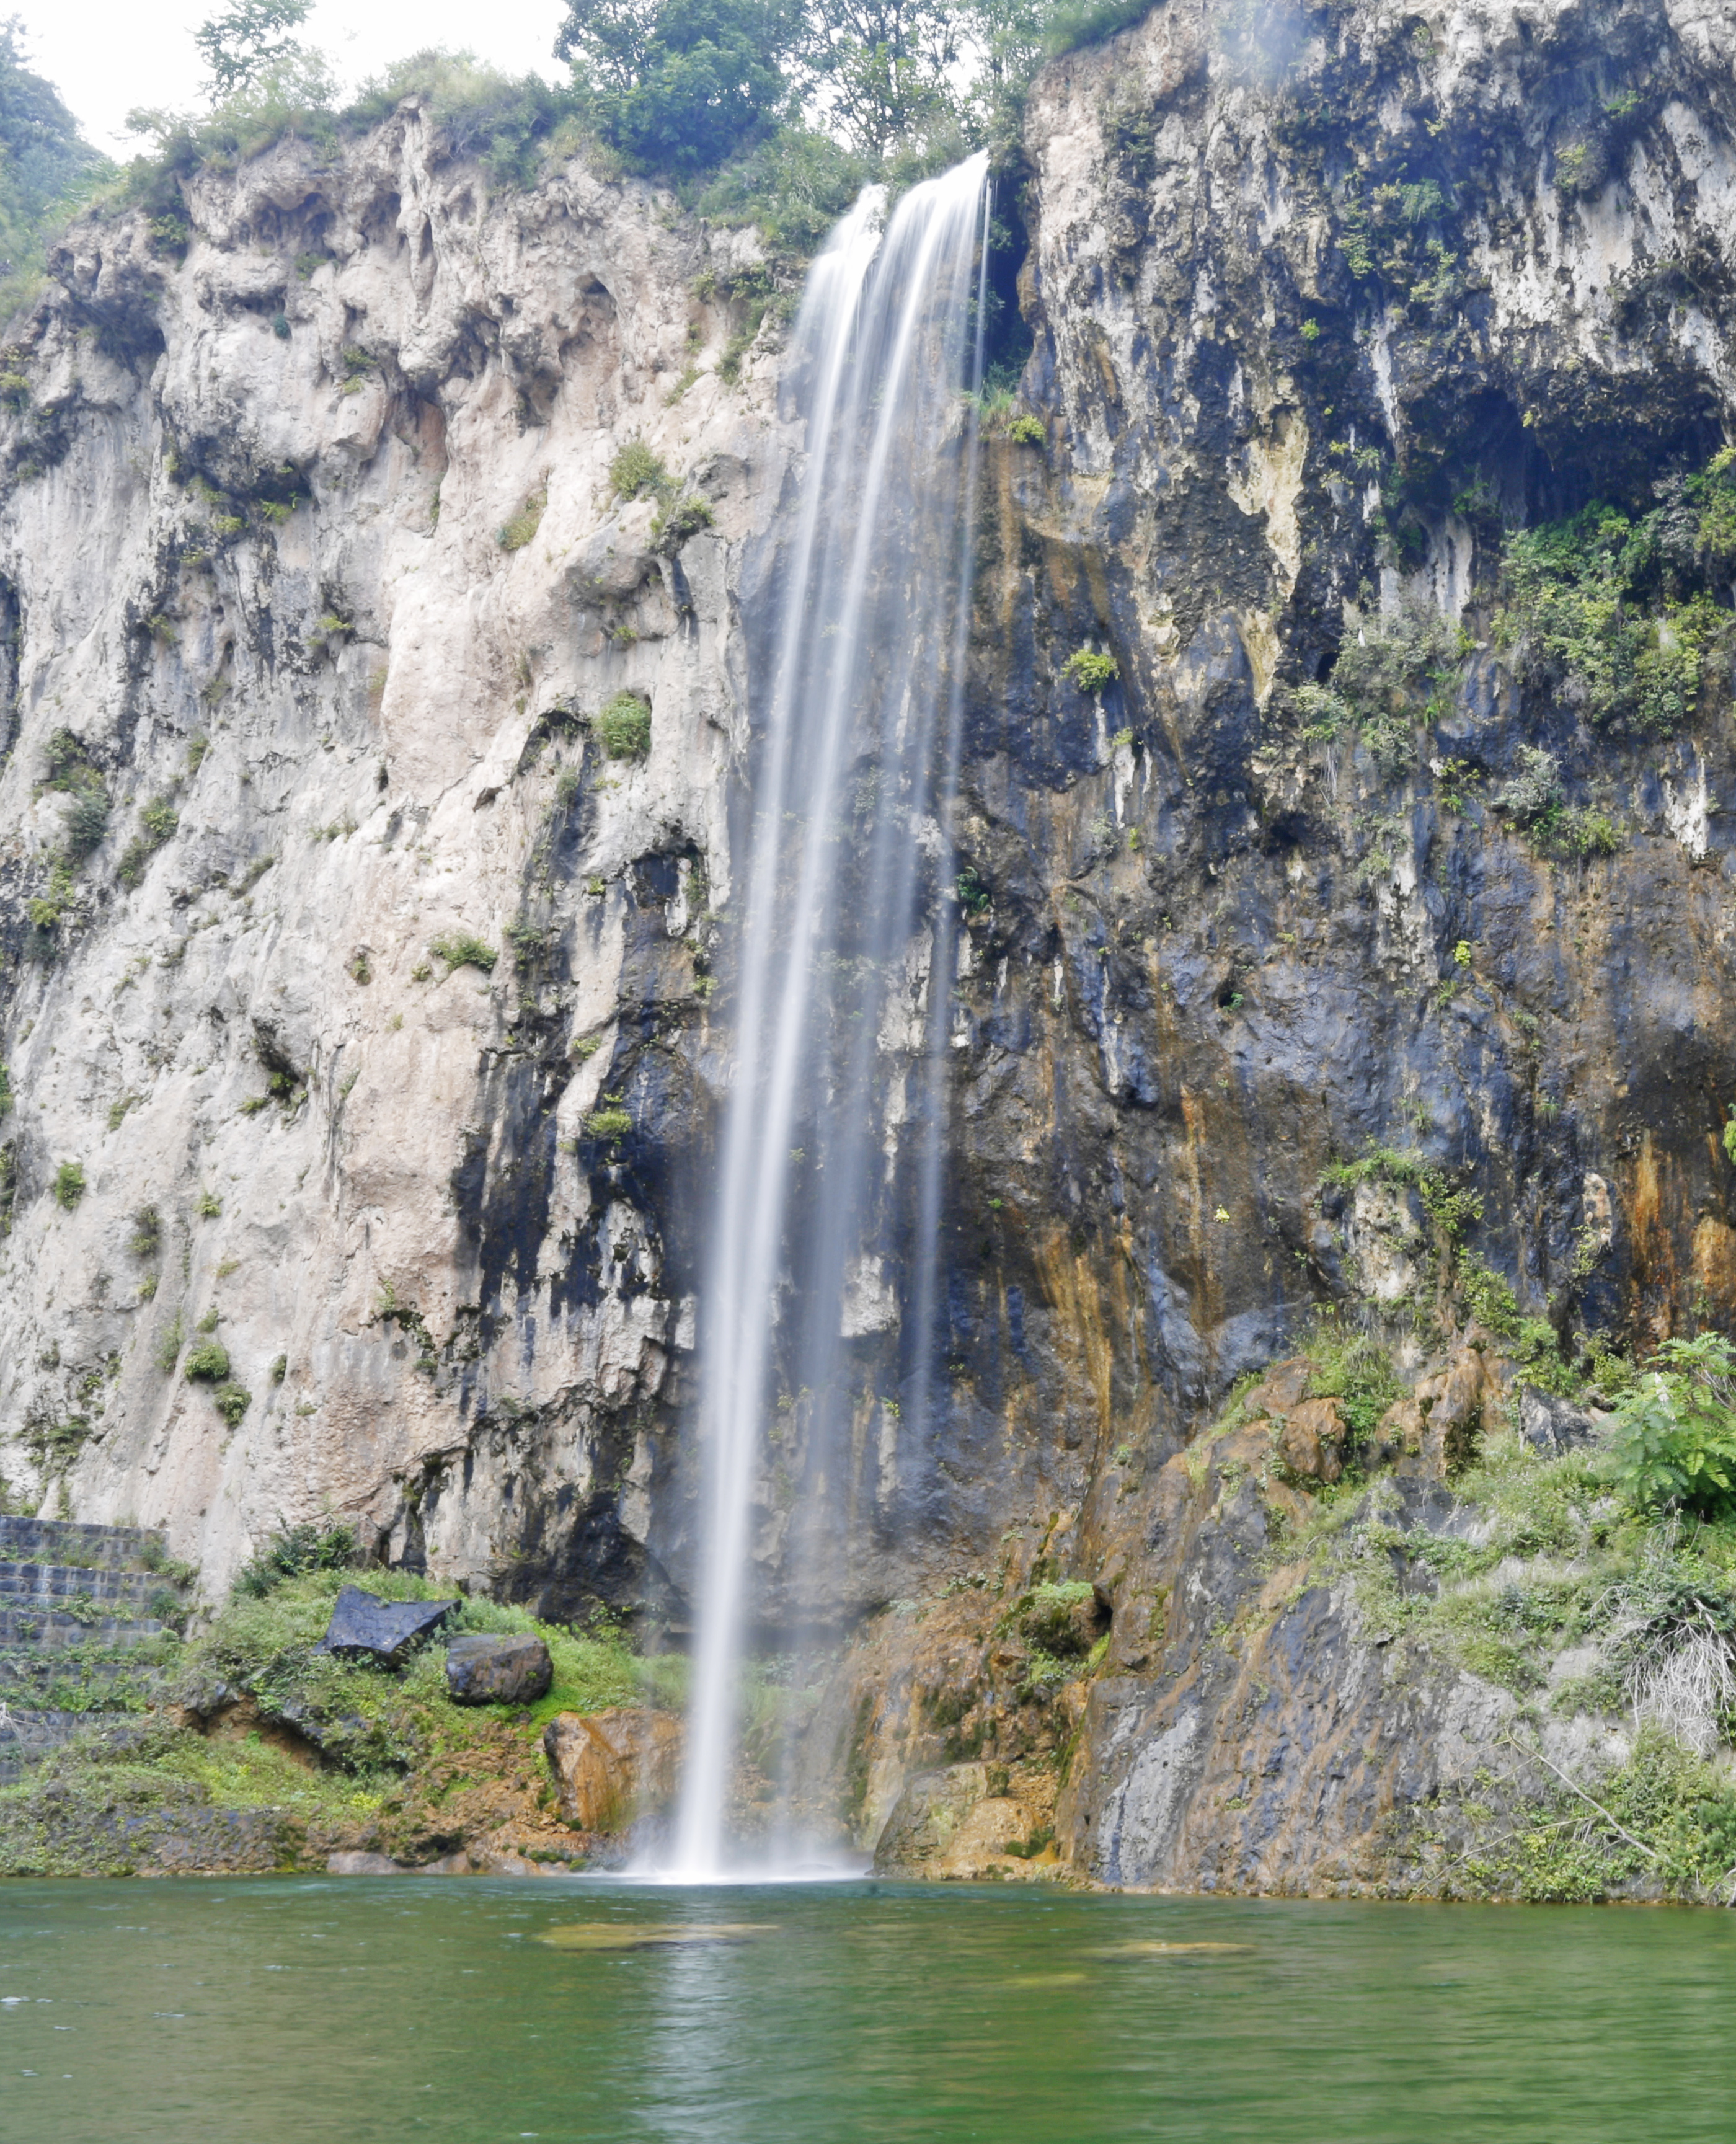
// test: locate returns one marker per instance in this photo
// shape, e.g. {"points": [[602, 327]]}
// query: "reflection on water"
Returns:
{"points": [[311, 2011], [612, 1935]]}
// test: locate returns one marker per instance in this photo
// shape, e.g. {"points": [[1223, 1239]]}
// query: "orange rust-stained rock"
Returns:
{"points": [[1311, 1442], [1453, 1408], [610, 1767], [1284, 1385], [1401, 1431]]}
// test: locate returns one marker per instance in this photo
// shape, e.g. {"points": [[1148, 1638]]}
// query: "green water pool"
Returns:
{"points": [[298, 2011]]}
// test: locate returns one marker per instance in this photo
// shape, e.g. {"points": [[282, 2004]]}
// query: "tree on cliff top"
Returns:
{"points": [[46, 165], [43, 155], [683, 85], [247, 40], [679, 85]]}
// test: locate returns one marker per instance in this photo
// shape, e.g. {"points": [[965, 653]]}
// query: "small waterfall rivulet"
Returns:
{"points": [[829, 1167]]}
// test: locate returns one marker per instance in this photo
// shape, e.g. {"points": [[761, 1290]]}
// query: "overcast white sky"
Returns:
{"points": [[105, 56]]}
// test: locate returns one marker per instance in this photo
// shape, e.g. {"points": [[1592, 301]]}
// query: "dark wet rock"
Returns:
{"points": [[489, 1671], [204, 1696], [362, 1627], [1550, 1424]]}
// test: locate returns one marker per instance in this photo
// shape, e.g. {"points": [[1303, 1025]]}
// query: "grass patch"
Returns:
{"points": [[514, 534], [458, 949], [1356, 1372], [393, 1751]]}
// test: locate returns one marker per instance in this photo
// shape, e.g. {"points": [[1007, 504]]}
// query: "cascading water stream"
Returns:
{"points": [[845, 930]]}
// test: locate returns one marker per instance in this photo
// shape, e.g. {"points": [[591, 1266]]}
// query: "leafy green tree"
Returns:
{"points": [[44, 164], [1674, 1441], [1007, 41], [679, 85], [42, 155], [886, 70], [248, 39]]}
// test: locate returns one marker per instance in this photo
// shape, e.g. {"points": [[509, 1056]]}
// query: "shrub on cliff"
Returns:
{"points": [[623, 726], [1533, 799], [636, 471], [461, 949], [1091, 672], [1666, 1817], [1620, 614], [292, 1552], [1674, 1441], [514, 534], [1397, 669]]}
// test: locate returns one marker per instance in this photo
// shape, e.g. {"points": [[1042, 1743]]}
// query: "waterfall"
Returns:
{"points": [[844, 935]]}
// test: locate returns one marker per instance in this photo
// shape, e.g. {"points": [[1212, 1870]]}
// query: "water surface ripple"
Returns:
{"points": [[298, 2011]]}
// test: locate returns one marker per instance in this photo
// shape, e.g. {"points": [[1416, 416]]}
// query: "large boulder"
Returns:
{"points": [[611, 1767], [362, 1627], [1311, 1442], [1551, 1425], [511, 1670]]}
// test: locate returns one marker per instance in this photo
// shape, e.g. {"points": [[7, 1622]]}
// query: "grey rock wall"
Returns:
{"points": [[252, 563]]}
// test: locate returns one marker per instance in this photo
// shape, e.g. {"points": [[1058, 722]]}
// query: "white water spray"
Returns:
{"points": [[845, 931]]}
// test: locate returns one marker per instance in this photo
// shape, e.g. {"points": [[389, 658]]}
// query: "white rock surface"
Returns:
{"points": [[402, 360]]}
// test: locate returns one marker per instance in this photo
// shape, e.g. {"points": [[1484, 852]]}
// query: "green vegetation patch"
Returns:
{"points": [[1666, 1822], [519, 531], [1533, 799], [1090, 671], [343, 1749], [623, 726], [1397, 669], [1358, 1372], [636, 471], [1674, 1442], [1618, 613], [157, 822], [459, 949], [47, 172]]}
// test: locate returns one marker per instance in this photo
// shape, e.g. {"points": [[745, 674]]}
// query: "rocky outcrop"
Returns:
{"points": [[1324, 305], [315, 573], [613, 1766]]}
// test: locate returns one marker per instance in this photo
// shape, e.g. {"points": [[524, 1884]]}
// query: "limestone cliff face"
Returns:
{"points": [[308, 545], [1322, 301]]}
